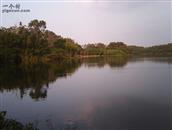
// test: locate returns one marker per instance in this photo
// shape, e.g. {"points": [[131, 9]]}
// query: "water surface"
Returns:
{"points": [[90, 94]]}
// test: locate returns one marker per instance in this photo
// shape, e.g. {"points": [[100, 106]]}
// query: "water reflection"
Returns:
{"points": [[128, 113], [91, 94], [111, 61], [153, 59], [34, 78]]}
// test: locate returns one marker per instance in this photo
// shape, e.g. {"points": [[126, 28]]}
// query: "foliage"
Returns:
{"points": [[159, 51], [154, 51], [33, 43], [113, 48]]}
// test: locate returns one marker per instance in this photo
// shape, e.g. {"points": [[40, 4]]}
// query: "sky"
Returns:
{"points": [[142, 23]]}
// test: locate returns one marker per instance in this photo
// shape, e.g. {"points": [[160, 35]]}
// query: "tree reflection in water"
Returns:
{"points": [[34, 79]]}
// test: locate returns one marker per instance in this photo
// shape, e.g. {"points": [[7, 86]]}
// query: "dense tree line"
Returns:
{"points": [[32, 43], [154, 51], [121, 49], [161, 50], [113, 48]]}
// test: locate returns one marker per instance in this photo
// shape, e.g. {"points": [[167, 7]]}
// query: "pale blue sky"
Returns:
{"points": [[138, 23]]}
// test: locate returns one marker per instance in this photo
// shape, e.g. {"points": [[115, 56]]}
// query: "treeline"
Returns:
{"points": [[121, 49], [154, 51], [33, 43], [113, 48], [159, 51]]}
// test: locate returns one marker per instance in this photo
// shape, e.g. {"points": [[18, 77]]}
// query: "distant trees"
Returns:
{"points": [[100, 45], [155, 51], [94, 49], [90, 49], [101, 48], [64, 47], [113, 48], [117, 48], [159, 50], [116, 45], [121, 49], [136, 50]]}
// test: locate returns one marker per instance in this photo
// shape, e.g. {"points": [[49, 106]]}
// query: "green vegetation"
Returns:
{"points": [[159, 51], [114, 48], [154, 51], [33, 43], [121, 49]]}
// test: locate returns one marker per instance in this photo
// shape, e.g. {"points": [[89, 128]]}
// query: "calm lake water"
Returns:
{"points": [[90, 94]]}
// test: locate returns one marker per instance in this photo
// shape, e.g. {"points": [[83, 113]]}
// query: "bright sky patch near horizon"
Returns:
{"points": [[142, 23]]}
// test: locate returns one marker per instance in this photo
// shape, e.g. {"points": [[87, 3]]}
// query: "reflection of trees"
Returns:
{"points": [[112, 61], [152, 59], [160, 60], [117, 61], [120, 61], [38, 92], [34, 78]]}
